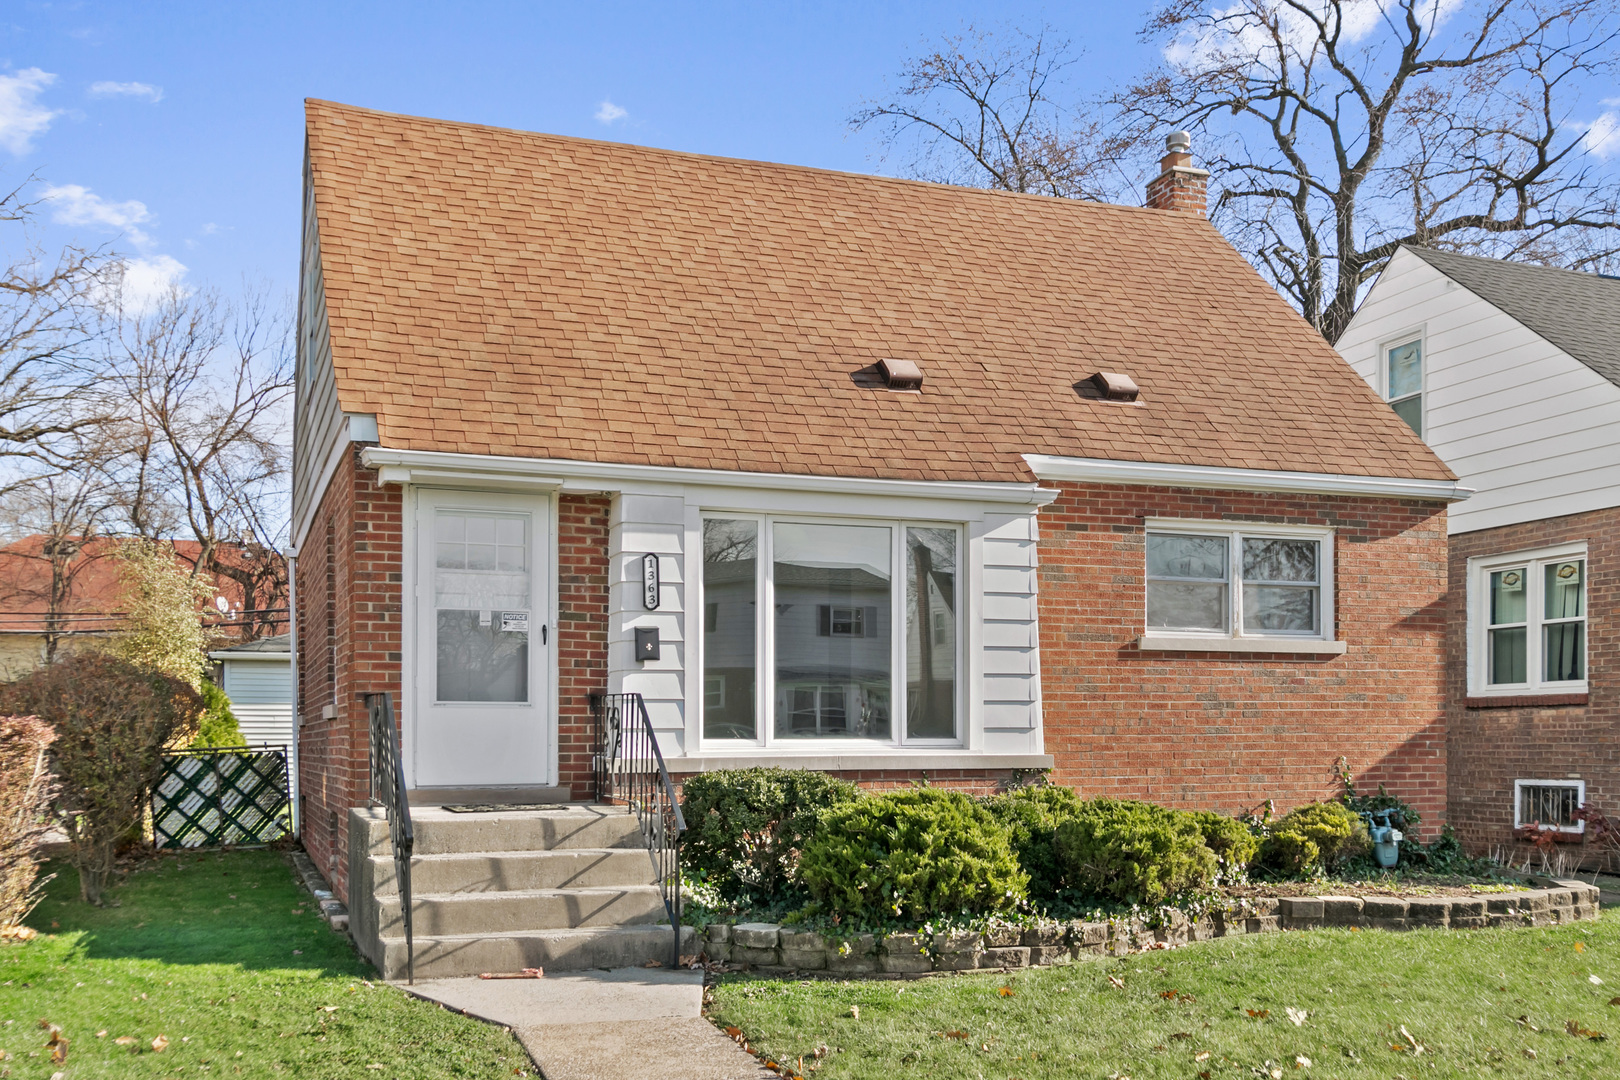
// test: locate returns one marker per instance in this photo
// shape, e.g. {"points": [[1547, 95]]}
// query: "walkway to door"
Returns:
{"points": [[625, 1024]]}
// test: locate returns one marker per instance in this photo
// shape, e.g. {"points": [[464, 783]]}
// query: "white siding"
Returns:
{"points": [[1532, 429], [318, 422], [258, 682], [1008, 647], [642, 525]]}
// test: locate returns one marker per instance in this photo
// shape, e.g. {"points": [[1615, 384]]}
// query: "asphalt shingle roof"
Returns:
{"points": [[502, 292], [1576, 311]]}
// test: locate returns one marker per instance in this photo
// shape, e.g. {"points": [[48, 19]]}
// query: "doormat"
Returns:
{"points": [[496, 808]]}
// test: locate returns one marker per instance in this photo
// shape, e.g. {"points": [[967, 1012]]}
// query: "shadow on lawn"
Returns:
{"points": [[243, 908]]}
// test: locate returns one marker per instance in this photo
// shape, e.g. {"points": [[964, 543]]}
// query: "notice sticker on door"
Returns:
{"points": [[515, 622]]}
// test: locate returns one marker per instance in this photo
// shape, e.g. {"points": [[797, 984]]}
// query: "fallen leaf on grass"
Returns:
{"points": [[1301, 1061], [1258, 1014], [160, 1044], [1524, 1022], [125, 1040], [1417, 1047], [102, 1034], [1580, 1032], [1118, 984], [1614, 1001], [1529, 1053], [854, 1012], [1006, 991], [954, 1035], [1180, 1035], [1298, 1016], [1580, 947], [1202, 1055], [327, 1008]]}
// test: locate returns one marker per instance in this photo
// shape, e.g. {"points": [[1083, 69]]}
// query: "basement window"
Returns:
{"points": [[1548, 804]]}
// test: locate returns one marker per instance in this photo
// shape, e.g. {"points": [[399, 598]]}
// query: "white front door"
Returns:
{"points": [[482, 670]]}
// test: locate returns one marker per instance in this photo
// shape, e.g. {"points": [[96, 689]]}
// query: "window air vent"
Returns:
{"points": [[1116, 387], [900, 374]]}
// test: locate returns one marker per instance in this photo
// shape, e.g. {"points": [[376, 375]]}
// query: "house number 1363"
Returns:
{"points": [[649, 582]]}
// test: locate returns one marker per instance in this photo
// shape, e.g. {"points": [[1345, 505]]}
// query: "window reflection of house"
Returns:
{"points": [[833, 652]]}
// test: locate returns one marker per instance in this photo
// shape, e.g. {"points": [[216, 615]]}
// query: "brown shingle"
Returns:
{"points": [[541, 296]]}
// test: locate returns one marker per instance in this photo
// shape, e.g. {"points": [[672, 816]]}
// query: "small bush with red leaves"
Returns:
{"points": [[26, 790], [113, 720]]}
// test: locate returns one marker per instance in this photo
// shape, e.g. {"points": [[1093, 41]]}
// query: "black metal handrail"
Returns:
{"points": [[388, 789], [629, 770]]}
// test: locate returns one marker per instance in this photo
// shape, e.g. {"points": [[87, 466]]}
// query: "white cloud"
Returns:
{"points": [[607, 112], [1602, 137], [21, 115], [143, 284], [1242, 31], [152, 93], [75, 204]]}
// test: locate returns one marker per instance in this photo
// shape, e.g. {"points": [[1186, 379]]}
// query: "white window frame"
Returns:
{"points": [[1420, 336], [1580, 800], [1480, 569], [765, 639], [1236, 634]]}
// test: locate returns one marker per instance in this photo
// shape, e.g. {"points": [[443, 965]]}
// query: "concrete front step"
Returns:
{"points": [[455, 956], [441, 832], [520, 912], [480, 871]]}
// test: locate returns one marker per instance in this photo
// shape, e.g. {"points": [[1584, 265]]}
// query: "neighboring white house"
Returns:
{"points": [[257, 677], [1511, 373]]}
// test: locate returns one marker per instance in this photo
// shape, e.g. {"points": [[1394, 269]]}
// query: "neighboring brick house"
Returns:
{"points": [[1511, 373], [532, 368]]}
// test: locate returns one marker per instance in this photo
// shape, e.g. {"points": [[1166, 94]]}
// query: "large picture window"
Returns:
{"points": [[1207, 579], [1529, 621], [861, 640]]}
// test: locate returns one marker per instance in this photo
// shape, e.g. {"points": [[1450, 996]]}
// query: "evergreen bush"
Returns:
{"points": [[1031, 816], [1134, 852], [1336, 834], [910, 856], [1233, 842], [745, 828]]}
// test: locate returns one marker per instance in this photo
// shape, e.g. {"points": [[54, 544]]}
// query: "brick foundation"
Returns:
{"points": [[1557, 737], [1227, 731]]}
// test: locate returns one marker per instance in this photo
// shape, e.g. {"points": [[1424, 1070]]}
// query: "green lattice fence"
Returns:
{"points": [[212, 797]]}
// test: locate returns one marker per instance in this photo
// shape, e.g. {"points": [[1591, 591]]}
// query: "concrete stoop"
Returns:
{"points": [[565, 889]]}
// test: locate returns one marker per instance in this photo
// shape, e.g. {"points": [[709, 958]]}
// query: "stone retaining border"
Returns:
{"points": [[770, 947]]}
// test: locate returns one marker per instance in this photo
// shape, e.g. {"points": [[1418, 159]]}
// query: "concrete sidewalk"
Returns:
{"points": [[625, 1024]]}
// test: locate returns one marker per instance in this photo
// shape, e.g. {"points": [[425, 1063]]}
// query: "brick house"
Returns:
{"points": [[1512, 374], [897, 480]]}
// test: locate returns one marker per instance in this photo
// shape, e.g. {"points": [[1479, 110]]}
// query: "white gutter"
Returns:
{"points": [[431, 466], [1162, 474]]}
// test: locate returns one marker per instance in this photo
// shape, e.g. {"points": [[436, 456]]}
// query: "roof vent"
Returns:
{"points": [[900, 374], [1116, 387]]}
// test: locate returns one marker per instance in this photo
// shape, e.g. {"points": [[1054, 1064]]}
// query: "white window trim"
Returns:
{"points": [[1236, 639], [765, 736], [1479, 609], [1580, 799], [1420, 335]]}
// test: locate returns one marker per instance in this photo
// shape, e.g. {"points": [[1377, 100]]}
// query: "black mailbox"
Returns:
{"points": [[646, 643]]}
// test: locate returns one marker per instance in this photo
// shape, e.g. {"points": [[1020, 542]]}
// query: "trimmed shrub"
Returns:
{"points": [[1031, 816], [1335, 833], [1288, 853], [912, 855], [1233, 842], [113, 721], [26, 790], [745, 828], [1135, 852]]}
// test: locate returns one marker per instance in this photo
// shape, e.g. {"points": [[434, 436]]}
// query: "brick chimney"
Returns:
{"points": [[1178, 186]]}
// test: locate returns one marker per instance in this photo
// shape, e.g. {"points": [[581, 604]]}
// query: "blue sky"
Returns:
{"points": [[175, 130]]}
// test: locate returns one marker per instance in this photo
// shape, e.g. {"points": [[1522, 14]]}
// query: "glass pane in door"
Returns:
{"points": [[481, 606]]}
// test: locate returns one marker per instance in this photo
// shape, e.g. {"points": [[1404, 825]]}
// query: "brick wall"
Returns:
{"points": [[582, 632], [1489, 748], [1226, 731], [355, 578]]}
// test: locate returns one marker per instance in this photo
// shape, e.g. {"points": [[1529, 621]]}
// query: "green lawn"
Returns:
{"points": [[225, 956], [1478, 1002]]}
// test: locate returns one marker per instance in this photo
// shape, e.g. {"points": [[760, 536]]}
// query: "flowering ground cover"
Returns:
{"points": [[217, 964], [1318, 1004]]}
